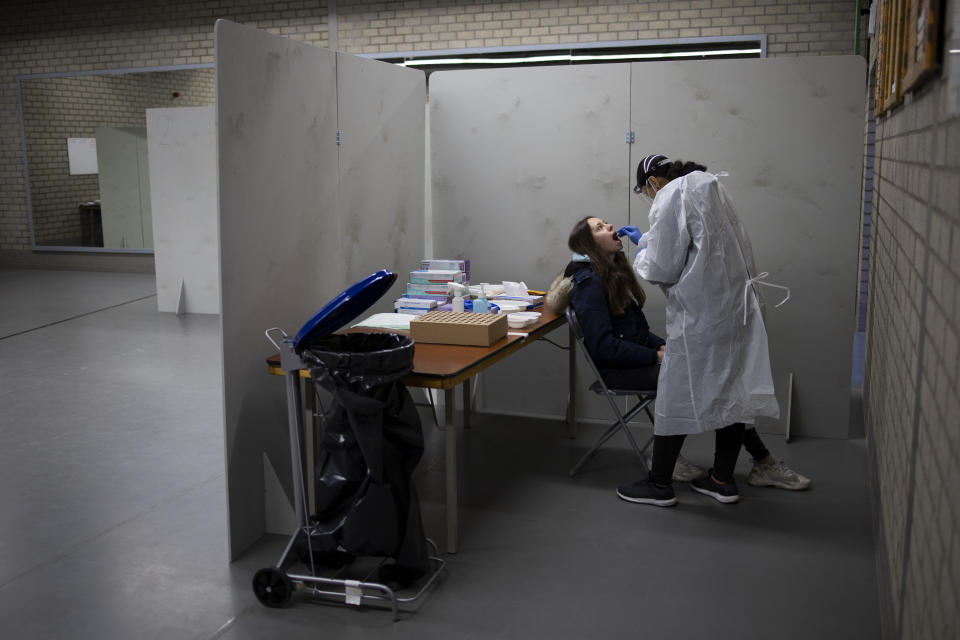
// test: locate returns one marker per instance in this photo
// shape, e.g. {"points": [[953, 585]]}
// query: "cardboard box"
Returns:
{"points": [[427, 290], [420, 303], [436, 276], [458, 265], [449, 327]]}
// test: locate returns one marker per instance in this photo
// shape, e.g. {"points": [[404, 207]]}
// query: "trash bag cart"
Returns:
{"points": [[364, 544]]}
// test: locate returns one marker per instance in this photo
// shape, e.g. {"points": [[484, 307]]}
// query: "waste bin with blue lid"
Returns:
{"points": [[366, 503]]}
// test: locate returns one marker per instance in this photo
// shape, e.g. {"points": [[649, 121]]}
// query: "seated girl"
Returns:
{"points": [[600, 285], [607, 298]]}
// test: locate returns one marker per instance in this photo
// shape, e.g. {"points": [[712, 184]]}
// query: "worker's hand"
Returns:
{"points": [[631, 232], [660, 353]]}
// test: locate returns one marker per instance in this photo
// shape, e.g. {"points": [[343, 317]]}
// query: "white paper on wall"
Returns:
{"points": [[82, 155]]}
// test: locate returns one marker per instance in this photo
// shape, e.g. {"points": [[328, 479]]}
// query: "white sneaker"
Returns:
{"points": [[684, 470], [777, 474]]}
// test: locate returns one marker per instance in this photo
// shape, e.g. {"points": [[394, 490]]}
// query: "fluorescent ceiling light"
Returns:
{"points": [[419, 61], [669, 54], [577, 58]]}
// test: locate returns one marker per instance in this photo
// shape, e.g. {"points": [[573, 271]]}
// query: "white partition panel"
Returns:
{"points": [[279, 239], [790, 133], [518, 155], [381, 169], [301, 218], [124, 183], [182, 145]]}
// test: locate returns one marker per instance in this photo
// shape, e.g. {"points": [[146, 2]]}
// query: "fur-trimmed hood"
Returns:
{"points": [[558, 295]]}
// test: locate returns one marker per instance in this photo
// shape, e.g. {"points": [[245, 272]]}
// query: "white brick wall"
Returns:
{"points": [[63, 35], [914, 307], [793, 27]]}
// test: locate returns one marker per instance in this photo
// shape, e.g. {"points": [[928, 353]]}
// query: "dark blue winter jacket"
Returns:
{"points": [[614, 342]]}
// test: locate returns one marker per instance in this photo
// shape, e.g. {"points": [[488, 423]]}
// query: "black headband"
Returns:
{"points": [[647, 166]]}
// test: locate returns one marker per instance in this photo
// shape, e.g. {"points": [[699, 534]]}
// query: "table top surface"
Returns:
{"points": [[443, 366]]}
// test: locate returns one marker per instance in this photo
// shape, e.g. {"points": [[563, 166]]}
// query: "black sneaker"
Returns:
{"points": [[726, 493], [645, 492]]}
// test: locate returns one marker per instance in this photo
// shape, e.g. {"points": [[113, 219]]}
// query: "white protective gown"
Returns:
{"points": [[716, 369]]}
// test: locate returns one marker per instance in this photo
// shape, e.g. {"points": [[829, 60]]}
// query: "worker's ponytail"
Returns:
{"points": [[677, 169], [659, 166]]}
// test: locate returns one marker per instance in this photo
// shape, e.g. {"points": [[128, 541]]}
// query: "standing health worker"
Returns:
{"points": [[715, 374]]}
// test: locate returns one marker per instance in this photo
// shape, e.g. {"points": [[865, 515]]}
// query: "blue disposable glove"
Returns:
{"points": [[631, 232]]}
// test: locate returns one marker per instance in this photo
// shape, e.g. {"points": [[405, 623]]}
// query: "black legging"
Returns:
{"points": [[645, 379], [754, 445], [727, 447]]}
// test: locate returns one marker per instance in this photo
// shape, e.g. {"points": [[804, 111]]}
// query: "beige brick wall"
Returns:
{"points": [[52, 114], [78, 35], [912, 386], [194, 88], [73, 107], [82, 35], [793, 27]]}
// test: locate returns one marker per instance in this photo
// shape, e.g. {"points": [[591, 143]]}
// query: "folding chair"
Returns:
{"points": [[599, 387]]}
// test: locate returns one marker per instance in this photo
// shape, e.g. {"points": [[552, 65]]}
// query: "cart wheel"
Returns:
{"points": [[272, 587]]}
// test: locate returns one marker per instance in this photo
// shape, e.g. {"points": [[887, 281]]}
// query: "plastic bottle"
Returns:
{"points": [[480, 305], [457, 297]]}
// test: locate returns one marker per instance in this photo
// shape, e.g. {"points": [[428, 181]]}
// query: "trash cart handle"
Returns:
{"points": [[270, 338]]}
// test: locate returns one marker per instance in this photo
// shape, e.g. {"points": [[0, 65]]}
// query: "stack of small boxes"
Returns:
{"points": [[429, 286]]}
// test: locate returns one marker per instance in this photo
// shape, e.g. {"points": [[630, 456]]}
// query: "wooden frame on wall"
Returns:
{"points": [[889, 54], [908, 33], [923, 35]]}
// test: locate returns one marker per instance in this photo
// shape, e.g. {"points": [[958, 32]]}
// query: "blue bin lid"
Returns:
{"points": [[346, 306]]}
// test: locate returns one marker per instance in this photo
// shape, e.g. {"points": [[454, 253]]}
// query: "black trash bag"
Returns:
{"points": [[366, 502]]}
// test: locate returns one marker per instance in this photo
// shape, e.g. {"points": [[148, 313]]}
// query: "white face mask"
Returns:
{"points": [[647, 198]]}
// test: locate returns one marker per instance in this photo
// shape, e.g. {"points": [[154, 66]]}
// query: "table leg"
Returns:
{"points": [[572, 386], [465, 402], [450, 433]]}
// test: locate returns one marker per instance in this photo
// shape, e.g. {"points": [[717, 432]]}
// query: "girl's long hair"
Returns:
{"points": [[616, 275]]}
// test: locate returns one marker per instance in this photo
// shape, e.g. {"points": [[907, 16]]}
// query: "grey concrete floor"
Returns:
{"points": [[113, 510]]}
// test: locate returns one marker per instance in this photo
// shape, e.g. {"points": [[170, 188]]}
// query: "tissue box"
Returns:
{"points": [[450, 327], [517, 303]]}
